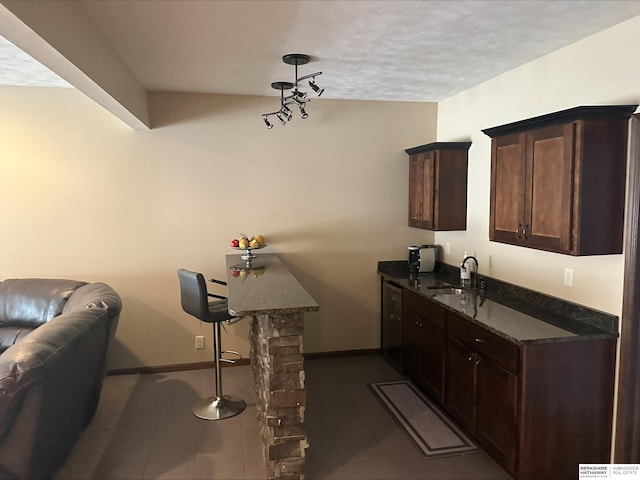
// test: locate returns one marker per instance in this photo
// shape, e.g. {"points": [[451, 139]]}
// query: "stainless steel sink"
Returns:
{"points": [[447, 291]]}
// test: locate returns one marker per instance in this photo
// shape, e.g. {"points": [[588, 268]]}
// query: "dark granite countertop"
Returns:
{"points": [[267, 286], [517, 314]]}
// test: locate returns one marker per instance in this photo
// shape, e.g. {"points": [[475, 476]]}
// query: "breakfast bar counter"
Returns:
{"points": [[270, 295]]}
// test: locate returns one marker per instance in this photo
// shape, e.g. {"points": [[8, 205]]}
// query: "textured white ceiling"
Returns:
{"points": [[367, 50], [19, 69]]}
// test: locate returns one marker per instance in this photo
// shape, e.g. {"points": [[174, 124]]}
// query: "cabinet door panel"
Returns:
{"points": [[411, 343], [432, 371], [549, 187], [415, 190], [507, 188], [460, 386], [426, 343], [496, 411], [450, 190], [428, 173]]}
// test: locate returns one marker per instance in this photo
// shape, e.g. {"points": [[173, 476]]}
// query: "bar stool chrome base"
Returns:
{"points": [[217, 408]]}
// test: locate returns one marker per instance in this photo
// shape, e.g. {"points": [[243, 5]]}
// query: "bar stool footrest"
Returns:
{"points": [[230, 360]]}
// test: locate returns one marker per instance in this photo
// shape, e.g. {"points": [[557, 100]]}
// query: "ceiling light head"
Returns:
{"points": [[286, 113], [267, 122], [303, 113], [285, 109], [281, 118], [315, 87], [301, 96]]}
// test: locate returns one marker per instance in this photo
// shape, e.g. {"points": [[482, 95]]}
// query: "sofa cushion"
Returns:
{"points": [[10, 335], [30, 302]]}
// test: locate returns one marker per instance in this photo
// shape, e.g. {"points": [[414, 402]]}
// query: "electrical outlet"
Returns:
{"points": [[199, 342], [568, 276], [447, 248]]}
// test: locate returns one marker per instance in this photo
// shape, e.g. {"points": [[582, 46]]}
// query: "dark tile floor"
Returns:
{"points": [[351, 436]]}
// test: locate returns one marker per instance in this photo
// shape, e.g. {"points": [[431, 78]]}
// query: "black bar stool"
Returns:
{"points": [[196, 302]]}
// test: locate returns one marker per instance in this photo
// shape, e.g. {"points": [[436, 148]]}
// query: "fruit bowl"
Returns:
{"points": [[248, 255], [243, 242]]}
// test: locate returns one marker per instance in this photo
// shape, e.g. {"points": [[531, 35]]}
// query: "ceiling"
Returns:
{"points": [[19, 69], [366, 49]]}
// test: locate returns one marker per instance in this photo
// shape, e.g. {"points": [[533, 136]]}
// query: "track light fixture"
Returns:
{"points": [[297, 98], [284, 114]]}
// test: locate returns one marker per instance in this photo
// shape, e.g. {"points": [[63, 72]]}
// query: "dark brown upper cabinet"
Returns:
{"points": [[558, 180], [438, 186]]}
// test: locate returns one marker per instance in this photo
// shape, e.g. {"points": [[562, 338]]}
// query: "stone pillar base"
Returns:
{"points": [[278, 371]]}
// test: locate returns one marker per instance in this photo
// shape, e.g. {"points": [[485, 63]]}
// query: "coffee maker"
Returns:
{"points": [[414, 258]]}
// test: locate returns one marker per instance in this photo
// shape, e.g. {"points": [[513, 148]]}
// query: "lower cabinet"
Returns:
{"points": [[481, 391], [460, 401], [424, 343], [482, 397], [496, 411], [539, 409]]}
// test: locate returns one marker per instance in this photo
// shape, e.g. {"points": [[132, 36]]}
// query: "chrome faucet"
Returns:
{"points": [[463, 267]]}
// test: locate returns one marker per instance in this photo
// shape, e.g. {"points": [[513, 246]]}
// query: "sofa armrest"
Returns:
{"points": [[98, 294], [52, 373], [95, 293]]}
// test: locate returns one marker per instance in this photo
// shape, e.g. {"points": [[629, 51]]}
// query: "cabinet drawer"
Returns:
{"points": [[484, 342], [425, 308]]}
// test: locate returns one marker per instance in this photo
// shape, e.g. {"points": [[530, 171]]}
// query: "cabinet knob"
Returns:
{"points": [[522, 232], [479, 340], [478, 360], [470, 358]]}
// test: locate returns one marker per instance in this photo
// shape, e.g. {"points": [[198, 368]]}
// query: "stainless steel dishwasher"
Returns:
{"points": [[391, 313]]}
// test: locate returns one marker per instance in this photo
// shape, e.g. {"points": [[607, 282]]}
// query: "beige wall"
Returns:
{"points": [[594, 71], [84, 196]]}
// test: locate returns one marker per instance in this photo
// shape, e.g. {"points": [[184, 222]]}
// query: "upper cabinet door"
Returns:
{"points": [[415, 190], [558, 181], [507, 189], [438, 186], [531, 188], [421, 172], [428, 174], [549, 188]]}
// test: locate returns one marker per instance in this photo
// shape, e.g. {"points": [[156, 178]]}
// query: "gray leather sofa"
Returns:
{"points": [[54, 340]]}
